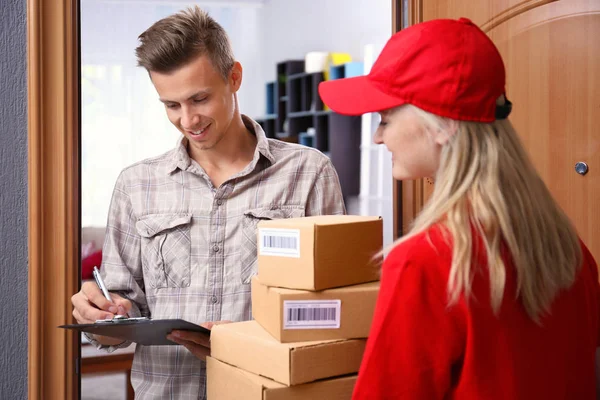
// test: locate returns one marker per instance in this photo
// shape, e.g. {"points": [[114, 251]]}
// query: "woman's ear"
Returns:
{"points": [[449, 129]]}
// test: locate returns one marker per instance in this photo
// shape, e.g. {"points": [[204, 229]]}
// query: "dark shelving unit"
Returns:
{"points": [[294, 107], [284, 70], [344, 150]]}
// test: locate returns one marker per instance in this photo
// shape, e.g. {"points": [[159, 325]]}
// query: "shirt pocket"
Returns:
{"points": [[249, 246], [166, 247]]}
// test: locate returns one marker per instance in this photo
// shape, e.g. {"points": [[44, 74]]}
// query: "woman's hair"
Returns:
{"points": [[487, 184]]}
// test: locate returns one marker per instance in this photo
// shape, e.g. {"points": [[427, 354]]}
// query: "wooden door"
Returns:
{"points": [[551, 50]]}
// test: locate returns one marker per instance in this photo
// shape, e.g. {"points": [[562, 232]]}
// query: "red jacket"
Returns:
{"points": [[419, 348]]}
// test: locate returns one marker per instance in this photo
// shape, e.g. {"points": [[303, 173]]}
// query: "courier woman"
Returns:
{"points": [[491, 294]]}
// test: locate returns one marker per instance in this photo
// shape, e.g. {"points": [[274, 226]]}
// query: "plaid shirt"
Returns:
{"points": [[178, 247]]}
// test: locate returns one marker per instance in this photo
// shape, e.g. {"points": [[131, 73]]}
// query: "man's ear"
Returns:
{"points": [[235, 76]]}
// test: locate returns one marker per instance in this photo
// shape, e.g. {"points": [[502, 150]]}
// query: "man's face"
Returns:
{"points": [[199, 101]]}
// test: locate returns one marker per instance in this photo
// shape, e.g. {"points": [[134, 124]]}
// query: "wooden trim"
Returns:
{"points": [[53, 117], [396, 15], [112, 363], [411, 192], [512, 12], [415, 12], [397, 200]]}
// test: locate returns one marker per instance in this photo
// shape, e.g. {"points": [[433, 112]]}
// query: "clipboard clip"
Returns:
{"points": [[121, 318]]}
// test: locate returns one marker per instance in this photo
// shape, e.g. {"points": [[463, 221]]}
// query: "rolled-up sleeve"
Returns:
{"points": [[121, 256]]}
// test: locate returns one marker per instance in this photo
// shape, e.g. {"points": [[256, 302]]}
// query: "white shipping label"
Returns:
{"points": [[312, 314], [279, 242]]}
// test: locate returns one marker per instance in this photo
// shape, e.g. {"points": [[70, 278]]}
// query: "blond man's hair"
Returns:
{"points": [[487, 184], [174, 41]]}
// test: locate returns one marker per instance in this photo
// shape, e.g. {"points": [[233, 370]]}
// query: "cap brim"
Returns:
{"points": [[355, 96]]}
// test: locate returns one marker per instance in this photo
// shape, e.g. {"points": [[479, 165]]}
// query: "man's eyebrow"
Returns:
{"points": [[197, 94]]}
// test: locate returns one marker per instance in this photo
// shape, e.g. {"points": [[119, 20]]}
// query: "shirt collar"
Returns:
{"points": [[180, 158], [262, 143]]}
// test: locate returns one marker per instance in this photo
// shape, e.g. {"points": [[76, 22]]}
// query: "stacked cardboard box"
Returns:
{"points": [[313, 302]]}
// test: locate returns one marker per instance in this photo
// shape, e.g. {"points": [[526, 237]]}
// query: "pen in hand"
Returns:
{"points": [[102, 287]]}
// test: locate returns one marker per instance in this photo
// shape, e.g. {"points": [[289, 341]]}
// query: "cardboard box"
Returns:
{"points": [[300, 315], [225, 382], [317, 253], [248, 346]]}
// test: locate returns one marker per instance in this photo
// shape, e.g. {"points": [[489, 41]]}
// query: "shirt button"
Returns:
{"points": [[216, 248], [219, 202], [214, 299]]}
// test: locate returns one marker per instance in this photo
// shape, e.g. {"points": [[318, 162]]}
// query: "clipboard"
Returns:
{"points": [[144, 331]]}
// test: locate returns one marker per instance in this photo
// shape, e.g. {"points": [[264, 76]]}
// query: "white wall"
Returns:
{"points": [[291, 28]]}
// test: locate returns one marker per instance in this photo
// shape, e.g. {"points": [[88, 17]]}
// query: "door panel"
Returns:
{"points": [[552, 57], [484, 13]]}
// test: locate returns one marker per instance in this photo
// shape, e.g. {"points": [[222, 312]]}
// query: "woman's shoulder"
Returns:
{"points": [[421, 262], [432, 246]]}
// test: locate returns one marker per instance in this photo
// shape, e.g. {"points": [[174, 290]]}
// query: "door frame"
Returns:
{"points": [[412, 192], [54, 186], [53, 173]]}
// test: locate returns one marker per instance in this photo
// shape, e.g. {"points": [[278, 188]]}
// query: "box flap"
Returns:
{"points": [[363, 287], [329, 389], [252, 332], [265, 307], [249, 346], [336, 358], [225, 382], [318, 220]]}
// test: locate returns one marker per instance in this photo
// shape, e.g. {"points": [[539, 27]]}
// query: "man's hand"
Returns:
{"points": [[89, 305], [196, 342]]}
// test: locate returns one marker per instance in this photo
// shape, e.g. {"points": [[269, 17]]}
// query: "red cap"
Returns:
{"points": [[447, 67]]}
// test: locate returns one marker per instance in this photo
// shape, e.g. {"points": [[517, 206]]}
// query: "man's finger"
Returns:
{"points": [[209, 325], [102, 303], [123, 305], [201, 339], [79, 318], [95, 296], [87, 311], [90, 313], [78, 300], [198, 351]]}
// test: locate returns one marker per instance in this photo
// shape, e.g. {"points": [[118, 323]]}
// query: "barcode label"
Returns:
{"points": [[279, 242], [312, 314]]}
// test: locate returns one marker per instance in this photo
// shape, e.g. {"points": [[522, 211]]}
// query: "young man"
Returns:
{"points": [[181, 233]]}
